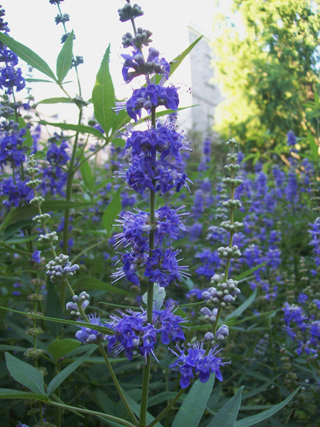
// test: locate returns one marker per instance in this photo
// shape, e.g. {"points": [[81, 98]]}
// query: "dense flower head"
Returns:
{"points": [[11, 144], [133, 332], [194, 360], [16, 192], [10, 77], [151, 96], [156, 162], [315, 239], [161, 265]]}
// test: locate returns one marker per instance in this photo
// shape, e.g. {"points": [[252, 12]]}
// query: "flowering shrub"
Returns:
{"points": [[143, 278]]}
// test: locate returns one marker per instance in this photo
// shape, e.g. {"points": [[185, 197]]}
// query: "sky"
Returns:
{"points": [[96, 24]]}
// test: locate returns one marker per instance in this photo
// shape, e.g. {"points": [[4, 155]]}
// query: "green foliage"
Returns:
{"points": [[266, 59]]}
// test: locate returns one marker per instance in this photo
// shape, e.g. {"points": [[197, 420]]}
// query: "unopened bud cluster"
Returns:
{"points": [[228, 253], [48, 237], [220, 335], [60, 268], [224, 292], [78, 301], [142, 37], [129, 12], [42, 219]]}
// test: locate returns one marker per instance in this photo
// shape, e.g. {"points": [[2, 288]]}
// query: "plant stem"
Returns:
{"points": [[167, 409], [71, 173], [147, 366]]}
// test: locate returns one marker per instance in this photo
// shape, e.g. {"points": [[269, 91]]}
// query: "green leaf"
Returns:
{"points": [[248, 272], [28, 141], [22, 213], [58, 379], [54, 309], [313, 146], [27, 55], [161, 397], [60, 348], [38, 81], [4, 347], [64, 60], [98, 328], [92, 283], [25, 374], [6, 393], [112, 211], [56, 100], [76, 128], [86, 174], [194, 405], [227, 415], [103, 95], [236, 313], [255, 419], [118, 142], [15, 240]]}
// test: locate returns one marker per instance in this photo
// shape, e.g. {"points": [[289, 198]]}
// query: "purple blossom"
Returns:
{"points": [[193, 360], [88, 335]]}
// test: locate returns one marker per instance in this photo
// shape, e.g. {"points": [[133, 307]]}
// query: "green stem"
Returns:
{"points": [[147, 366], [116, 383], [275, 370], [71, 173], [88, 249], [167, 409]]}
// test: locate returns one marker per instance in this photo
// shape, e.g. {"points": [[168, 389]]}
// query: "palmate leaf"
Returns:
{"points": [[27, 55], [194, 405]]}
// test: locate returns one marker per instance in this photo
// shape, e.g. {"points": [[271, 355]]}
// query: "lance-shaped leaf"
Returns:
{"points": [[86, 174], [76, 128], [27, 55], [194, 405], [58, 100], [22, 213], [112, 211], [60, 348], [25, 374], [227, 415], [256, 419], [103, 95], [7, 393], [57, 380], [64, 60]]}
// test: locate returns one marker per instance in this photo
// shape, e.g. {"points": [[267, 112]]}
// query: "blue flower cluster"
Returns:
{"points": [[162, 265], [194, 360], [10, 76], [304, 330], [54, 177], [133, 332], [315, 239]]}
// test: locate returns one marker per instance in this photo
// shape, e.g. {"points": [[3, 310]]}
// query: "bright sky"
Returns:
{"points": [[96, 24]]}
